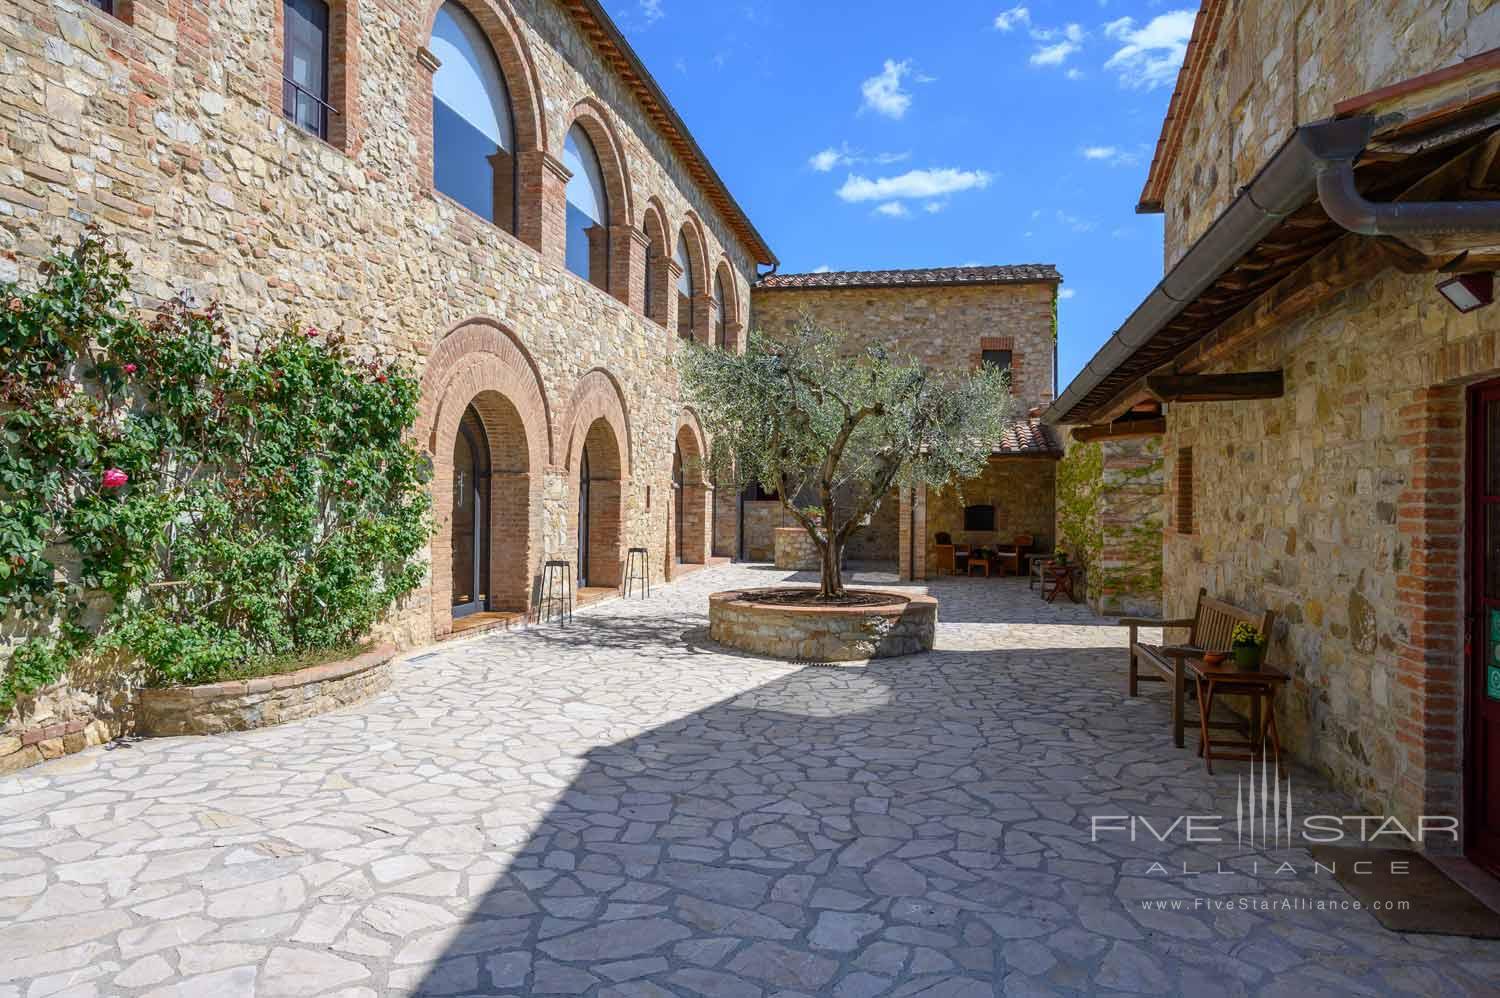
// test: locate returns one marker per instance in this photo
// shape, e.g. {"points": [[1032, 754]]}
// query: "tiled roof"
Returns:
{"points": [[1029, 438], [938, 276]]}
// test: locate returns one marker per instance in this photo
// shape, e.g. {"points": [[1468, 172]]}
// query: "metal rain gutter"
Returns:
{"points": [[1318, 158]]}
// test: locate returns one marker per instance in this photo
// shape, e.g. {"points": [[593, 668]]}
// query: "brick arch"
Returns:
{"points": [[528, 107], [595, 120], [690, 437], [696, 496], [480, 342], [513, 516], [729, 308], [697, 244], [654, 226], [503, 29], [599, 397]]}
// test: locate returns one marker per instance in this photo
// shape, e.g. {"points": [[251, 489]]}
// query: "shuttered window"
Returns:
{"points": [[1185, 523]]}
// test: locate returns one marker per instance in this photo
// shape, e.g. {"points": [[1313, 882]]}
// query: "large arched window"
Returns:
{"points": [[721, 325], [473, 136], [588, 211], [685, 284]]}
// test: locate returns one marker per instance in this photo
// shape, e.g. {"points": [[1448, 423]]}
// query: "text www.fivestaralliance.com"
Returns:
{"points": [[1264, 904]]}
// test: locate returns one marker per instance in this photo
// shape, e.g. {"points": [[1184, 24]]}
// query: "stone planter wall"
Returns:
{"points": [[823, 634], [795, 551], [242, 705]]}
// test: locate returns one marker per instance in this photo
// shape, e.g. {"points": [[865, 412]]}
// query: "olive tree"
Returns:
{"points": [[832, 428]]}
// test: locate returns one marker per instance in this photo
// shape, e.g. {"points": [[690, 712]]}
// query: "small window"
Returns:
{"points": [[587, 250], [995, 358], [721, 333], [685, 284], [108, 6], [1185, 490], [979, 518], [304, 73]]}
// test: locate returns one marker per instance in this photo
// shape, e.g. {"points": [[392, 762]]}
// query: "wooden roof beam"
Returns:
{"points": [[1239, 387]]}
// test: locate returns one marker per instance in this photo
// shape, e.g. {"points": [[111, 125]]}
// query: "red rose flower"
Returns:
{"points": [[130, 368], [114, 478], [312, 331]]}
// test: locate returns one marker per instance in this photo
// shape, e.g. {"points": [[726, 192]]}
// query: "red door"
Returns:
{"points": [[1482, 751]]}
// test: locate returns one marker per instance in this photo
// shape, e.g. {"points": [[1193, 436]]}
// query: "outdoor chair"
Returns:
{"points": [[961, 555], [943, 562], [1011, 559]]}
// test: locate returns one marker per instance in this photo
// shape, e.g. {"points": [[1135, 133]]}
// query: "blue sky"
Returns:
{"points": [[885, 134]]}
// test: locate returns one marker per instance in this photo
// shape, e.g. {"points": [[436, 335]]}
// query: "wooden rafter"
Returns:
{"points": [[1238, 387], [1120, 429]]}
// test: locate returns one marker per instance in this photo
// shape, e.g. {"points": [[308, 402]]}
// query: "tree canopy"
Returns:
{"points": [[832, 428]]}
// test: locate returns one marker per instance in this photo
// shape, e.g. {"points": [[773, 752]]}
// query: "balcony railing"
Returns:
{"points": [[304, 108]]}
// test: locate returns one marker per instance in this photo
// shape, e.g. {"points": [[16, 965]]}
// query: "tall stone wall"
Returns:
{"points": [[1126, 578], [1339, 506], [943, 327], [1277, 64], [164, 127]]}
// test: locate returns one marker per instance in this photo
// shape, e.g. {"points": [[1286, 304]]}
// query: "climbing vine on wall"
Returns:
{"points": [[1080, 478], [188, 511]]}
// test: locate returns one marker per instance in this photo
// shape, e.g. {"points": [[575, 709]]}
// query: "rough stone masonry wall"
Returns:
{"points": [[943, 327], [167, 131], [1279, 64], [1127, 576], [1339, 506]]}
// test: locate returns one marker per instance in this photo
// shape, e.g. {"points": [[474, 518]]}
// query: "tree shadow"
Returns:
{"points": [[841, 830]]}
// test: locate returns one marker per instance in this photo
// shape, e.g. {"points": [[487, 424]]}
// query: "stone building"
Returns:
{"points": [[495, 191], [948, 318], [1325, 366]]}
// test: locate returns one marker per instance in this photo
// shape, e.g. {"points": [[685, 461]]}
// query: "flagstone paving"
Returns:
{"points": [[622, 808]]}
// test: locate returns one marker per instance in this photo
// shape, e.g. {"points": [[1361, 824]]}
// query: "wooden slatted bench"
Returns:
{"points": [[1210, 628]]}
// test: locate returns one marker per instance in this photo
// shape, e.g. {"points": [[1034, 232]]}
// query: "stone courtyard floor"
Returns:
{"points": [[622, 808]]}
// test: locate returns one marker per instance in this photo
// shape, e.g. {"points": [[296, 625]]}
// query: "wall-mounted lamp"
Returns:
{"points": [[1466, 292]]}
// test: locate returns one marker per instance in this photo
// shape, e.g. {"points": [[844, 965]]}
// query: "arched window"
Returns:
{"points": [[721, 327], [588, 211], [473, 138], [685, 284], [653, 260]]}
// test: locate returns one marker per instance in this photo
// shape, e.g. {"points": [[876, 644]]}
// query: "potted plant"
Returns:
{"points": [[1062, 558], [1248, 645]]}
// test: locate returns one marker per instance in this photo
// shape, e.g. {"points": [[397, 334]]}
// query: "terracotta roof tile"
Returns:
{"points": [[932, 276], [1029, 437]]}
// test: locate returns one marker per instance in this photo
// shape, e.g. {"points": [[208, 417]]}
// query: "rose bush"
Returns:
{"points": [[185, 510]]}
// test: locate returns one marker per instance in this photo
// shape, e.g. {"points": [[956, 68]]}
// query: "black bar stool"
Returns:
{"points": [[635, 571], [557, 592]]}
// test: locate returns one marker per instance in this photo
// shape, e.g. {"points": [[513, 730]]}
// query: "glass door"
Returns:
{"points": [[470, 516], [1482, 751]]}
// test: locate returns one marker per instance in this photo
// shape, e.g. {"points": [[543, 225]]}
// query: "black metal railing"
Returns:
{"points": [[304, 108]]}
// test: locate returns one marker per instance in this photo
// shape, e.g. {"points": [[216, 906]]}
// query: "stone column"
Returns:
{"points": [[668, 306], [912, 556], [705, 309], [627, 266], [543, 224]]}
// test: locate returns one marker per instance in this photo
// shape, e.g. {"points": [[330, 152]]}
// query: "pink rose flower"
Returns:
{"points": [[114, 478], [130, 368], [312, 331]]}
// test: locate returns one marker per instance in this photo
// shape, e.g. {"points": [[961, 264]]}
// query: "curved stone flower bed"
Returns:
{"points": [[900, 625], [244, 704]]}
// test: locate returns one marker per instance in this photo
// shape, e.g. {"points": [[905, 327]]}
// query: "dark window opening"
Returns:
{"points": [[996, 358], [979, 518], [108, 6], [304, 73]]}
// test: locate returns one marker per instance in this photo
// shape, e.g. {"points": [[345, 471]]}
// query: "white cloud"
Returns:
{"points": [[825, 161], [1074, 74], [1113, 155], [1053, 55], [1150, 55], [914, 184], [824, 269], [933, 207], [892, 209], [1066, 293], [651, 10], [883, 93], [1010, 19]]}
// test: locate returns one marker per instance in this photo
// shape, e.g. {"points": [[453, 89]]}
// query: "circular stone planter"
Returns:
{"points": [[905, 625], [245, 704]]}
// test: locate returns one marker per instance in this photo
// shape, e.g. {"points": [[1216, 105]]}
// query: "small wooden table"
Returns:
{"points": [[1062, 579], [1260, 686]]}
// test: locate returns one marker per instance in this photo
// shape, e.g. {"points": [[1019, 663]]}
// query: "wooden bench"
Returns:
{"points": [[1210, 628]]}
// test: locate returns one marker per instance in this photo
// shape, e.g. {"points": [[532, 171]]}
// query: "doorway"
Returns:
{"points": [[583, 519], [1482, 747], [471, 508], [677, 504]]}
